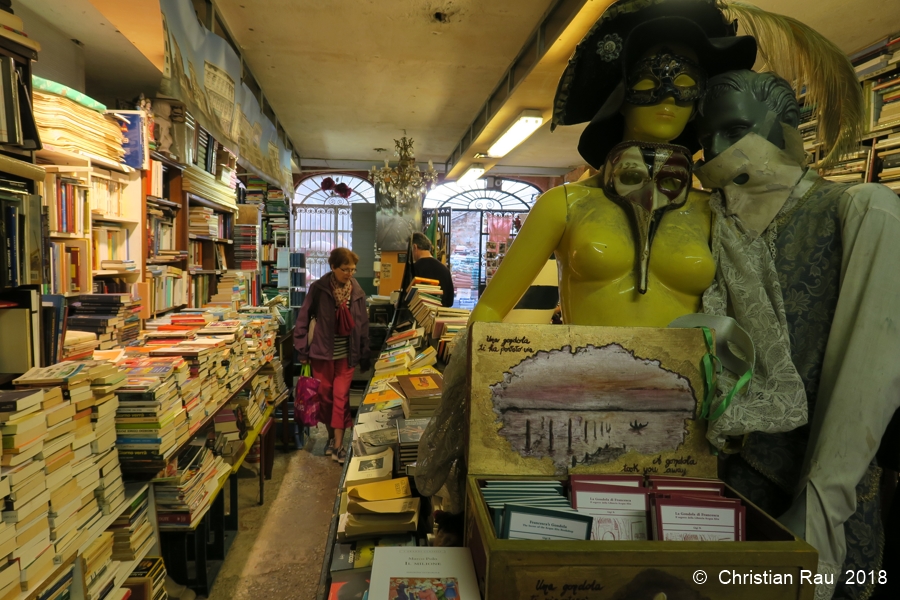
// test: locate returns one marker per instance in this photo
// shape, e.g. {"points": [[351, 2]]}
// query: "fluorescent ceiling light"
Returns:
{"points": [[527, 123], [471, 174]]}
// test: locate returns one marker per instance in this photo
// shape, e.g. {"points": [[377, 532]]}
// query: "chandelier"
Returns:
{"points": [[405, 183]]}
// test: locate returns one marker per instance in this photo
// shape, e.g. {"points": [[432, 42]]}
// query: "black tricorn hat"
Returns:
{"points": [[715, 55], [595, 69]]}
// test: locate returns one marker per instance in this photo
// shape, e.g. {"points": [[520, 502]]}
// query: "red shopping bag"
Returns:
{"points": [[306, 398]]}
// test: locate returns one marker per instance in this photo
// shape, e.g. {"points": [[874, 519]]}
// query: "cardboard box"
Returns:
{"points": [[549, 400]]}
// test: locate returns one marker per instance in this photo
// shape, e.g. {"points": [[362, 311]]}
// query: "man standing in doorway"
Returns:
{"points": [[425, 265]]}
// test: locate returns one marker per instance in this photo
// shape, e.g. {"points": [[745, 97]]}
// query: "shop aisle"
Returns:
{"points": [[278, 551]]}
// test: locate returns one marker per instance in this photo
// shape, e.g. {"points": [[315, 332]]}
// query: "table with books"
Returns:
{"points": [[377, 505]]}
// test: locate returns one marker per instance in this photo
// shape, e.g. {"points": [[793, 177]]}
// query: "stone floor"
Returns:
{"points": [[279, 548]]}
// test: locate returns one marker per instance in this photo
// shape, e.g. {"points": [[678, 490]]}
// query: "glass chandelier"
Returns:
{"points": [[405, 183]]}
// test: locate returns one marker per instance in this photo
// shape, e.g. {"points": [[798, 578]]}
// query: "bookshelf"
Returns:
{"points": [[94, 219], [210, 233], [877, 159]]}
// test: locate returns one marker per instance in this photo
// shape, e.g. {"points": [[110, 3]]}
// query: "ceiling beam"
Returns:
{"points": [[529, 83]]}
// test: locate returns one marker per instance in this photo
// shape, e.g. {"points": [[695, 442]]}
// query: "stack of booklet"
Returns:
{"points": [[615, 507], [420, 395], [376, 509]]}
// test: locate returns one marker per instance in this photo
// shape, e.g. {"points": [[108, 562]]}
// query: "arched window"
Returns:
{"points": [[508, 195], [323, 218], [310, 192]]}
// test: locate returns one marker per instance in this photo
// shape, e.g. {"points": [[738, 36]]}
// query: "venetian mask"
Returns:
{"points": [[671, 74], [647, 179]]}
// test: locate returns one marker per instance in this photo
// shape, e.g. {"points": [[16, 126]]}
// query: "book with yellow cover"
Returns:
{"points": [[382, 490]]}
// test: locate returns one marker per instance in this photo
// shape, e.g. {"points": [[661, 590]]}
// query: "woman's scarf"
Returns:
{"points": [[341, 292]]}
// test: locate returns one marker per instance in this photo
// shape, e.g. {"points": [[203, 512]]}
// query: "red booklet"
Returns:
{"points": [[687, 518]]}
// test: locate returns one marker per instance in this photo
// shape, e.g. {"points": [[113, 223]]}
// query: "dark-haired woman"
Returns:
{"points": [[340, 341]]}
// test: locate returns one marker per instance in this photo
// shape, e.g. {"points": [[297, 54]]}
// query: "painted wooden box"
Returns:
{"points": [[549, 400]]}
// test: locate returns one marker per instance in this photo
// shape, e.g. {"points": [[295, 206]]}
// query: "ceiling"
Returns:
{"points": [[348, 76], [116, 67]]}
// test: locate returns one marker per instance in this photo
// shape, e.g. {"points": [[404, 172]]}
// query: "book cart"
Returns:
{"points": [[525, 422]]}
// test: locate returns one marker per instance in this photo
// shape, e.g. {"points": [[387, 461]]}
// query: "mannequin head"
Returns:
{"points": [[661, 90], [738, 103]]}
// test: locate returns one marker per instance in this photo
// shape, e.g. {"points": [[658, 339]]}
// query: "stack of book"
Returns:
{"points": [[150, 415], [203, 221], [396, 361], [72, 126], [112, 317], [890, 168], [376, 430], [851, 168], [184, 497], [133, 531], [420, 394], [148, 580], [99, 568], [246, 243], [80, 344], [256, 191], [26, 529], [384, 507], [409, 432]]}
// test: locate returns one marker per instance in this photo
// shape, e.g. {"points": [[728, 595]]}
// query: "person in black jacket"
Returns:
{"points": [[427, 266]]}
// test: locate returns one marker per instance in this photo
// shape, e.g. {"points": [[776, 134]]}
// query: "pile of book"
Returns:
{"points": [[150, 420], [183, 497], [256, 190], [148, 580], [615, 507], [133, 531], [377, 508], [890, 168], [420, 394], [99, 568], [25, 531], [114, 318], [72, 126], [246, 240], [203, 221], [851, 168], [80, 344]]}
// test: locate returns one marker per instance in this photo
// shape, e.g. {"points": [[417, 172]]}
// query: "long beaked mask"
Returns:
{"points": [[767, 176], [647, 179]]}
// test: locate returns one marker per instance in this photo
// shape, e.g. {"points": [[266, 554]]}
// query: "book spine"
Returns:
{"points": [[12, 245], [173, 518]]}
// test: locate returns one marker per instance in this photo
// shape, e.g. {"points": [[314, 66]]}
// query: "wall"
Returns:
{"points": [[60, 59]]}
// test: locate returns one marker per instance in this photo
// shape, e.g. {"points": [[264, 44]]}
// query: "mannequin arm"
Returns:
{"points": [[539, 237]]}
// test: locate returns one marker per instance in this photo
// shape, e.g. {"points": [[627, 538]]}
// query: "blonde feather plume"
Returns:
{"points": [[807, 59]]}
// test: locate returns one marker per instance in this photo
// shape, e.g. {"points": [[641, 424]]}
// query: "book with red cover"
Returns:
{"points": [[687, 518]]}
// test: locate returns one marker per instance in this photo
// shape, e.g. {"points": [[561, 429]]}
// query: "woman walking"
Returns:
{"points": [[332, 334]]}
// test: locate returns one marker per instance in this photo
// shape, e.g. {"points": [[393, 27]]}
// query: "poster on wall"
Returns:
{"points": [[395, 224], [204, 72]]}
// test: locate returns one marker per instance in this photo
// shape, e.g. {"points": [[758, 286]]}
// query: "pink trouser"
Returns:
{"points": [[334, 391]]}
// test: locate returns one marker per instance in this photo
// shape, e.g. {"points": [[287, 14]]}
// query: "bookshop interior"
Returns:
{"points": [[288, 291]]}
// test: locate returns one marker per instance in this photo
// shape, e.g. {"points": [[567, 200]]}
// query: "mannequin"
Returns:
{"points": [[834, 248], [606, 276], [619, 263]]}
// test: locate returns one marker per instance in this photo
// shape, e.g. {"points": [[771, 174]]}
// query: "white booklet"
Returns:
{"points": [[411, 572]]}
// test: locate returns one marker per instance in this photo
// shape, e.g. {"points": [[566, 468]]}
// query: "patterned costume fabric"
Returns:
{"points": [[808, 253]]}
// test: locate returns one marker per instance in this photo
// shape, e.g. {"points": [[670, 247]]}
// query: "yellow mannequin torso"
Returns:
{"points": [[595, 250]]}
